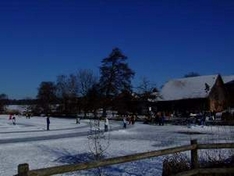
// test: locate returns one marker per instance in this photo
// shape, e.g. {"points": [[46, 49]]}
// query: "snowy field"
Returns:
{"points": [[66, 143]]}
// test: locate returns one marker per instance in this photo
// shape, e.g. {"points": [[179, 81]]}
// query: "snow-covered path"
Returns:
{"points": [[67, 143], [42, 134]]}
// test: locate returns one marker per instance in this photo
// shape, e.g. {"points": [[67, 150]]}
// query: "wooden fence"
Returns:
{"points": [[23, 169]]}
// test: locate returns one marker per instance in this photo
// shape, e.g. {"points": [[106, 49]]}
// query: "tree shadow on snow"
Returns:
{"points": [[150, 167], [75, 159]]}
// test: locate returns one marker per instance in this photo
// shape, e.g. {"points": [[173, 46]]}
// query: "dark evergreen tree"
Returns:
{"points": [[116, 75]]}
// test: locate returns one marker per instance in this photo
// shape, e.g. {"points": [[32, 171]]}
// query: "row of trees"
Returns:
{"points": [[84, 91], [3, 101], [87, 92]]}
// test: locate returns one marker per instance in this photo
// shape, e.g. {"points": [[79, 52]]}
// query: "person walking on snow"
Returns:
{"points": [[10, 116], [48, 122], [124, 122], [77, 119], [14, 120], [106, 124]]}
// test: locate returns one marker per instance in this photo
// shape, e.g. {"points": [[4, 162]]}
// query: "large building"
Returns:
{"points": [[200, 93]]}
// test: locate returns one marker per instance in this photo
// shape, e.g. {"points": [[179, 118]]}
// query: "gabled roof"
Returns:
{"points": [[227, 79], [188, 88]]}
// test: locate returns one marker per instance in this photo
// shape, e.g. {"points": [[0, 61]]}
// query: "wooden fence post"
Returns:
{"points": [[23, 169], [194, 155]]}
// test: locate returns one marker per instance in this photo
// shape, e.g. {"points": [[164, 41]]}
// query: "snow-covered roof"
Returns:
{"points": [[227, 79], [188, 88]]}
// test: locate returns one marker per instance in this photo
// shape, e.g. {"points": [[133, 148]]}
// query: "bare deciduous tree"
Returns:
{"points": [[86, 79], [145, 86], [67, 91], [99, 141]]}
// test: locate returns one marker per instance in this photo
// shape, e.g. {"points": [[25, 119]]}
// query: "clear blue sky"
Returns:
{"points": [[41, 39]]}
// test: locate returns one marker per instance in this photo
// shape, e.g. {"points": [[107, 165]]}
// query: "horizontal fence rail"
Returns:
{"points": [[206, 171], [215, 146], [23, 169]]}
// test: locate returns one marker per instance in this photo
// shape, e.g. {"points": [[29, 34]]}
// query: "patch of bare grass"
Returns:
{"points": [[175, 163], [180, 162]]}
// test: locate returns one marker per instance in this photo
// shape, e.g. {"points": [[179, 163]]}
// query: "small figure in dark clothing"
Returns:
{"points": [[14, 120], [156, 119], [161, 119], [124, 122], [48, 122], [133, 119]]}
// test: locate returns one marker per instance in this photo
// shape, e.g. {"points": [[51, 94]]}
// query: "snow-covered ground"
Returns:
{"points": [[66, 143]]}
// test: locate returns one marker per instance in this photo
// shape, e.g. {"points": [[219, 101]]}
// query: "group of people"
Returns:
{"points": [[129, 120], [160, 118], [156, 118], [125, 121], [12, 117]]}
